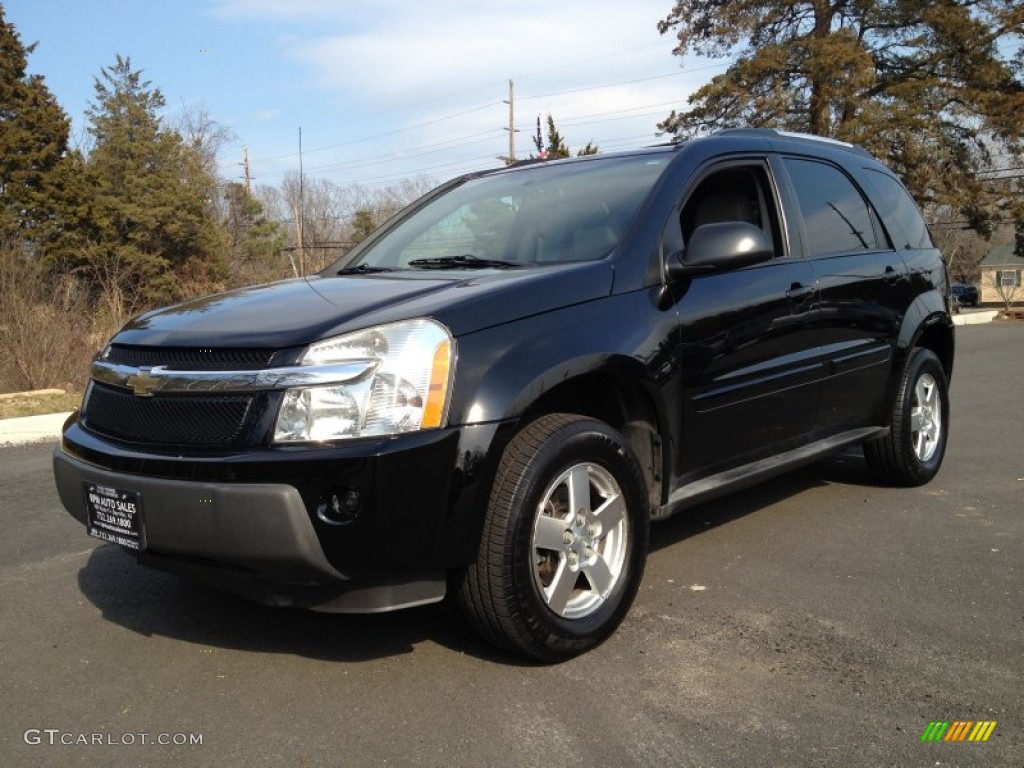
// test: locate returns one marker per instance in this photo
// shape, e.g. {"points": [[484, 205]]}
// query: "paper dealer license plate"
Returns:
{"points": [[113, 514]]}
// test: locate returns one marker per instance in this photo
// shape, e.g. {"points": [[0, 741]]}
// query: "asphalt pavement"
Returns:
{"points": [[816, 620]]}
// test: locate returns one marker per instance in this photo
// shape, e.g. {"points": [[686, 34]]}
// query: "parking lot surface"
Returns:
{"points": [[816, 620]]}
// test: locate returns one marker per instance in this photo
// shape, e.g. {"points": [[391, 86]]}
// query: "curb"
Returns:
{"points": [[975, 318], [32, 429]]}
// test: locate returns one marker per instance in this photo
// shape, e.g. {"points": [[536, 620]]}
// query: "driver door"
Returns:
{"points": [[747, 341]]}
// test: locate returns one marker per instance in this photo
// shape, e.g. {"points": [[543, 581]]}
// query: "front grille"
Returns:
{"points": [[207, 420], [191, 358]]}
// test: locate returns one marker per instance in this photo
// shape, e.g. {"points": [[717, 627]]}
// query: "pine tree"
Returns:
{"points": [[254, 241], [927, 85], [147, 233], [33, 140], [364, 222], [556, 147]]}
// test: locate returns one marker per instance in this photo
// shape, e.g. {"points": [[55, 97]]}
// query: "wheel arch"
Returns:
{"points": [[582, 360], [623, 402], [616, 390], [938, 337], [927, 324]]}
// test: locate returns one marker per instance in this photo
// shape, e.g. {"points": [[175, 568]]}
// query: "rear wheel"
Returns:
{"points": [[912, 452], [564, 540]]}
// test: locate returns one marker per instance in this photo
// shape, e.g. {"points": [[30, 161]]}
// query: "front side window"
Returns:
{"points": [[836, 218], [734, 193]]}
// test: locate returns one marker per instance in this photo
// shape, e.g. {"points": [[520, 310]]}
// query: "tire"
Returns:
{"points": [[550, 583], [912, 452]]}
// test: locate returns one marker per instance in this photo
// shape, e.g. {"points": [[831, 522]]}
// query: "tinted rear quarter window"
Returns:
{"points": [[836, 218], [902, 217]]}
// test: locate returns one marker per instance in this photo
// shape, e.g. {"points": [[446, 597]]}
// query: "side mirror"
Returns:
{"points": [[722, 245]]}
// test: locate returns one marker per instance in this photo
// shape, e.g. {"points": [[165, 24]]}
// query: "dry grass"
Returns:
{"points": [[36, 404]]}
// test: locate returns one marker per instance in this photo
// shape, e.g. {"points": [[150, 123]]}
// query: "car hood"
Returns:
{"points": [[298, 312]]}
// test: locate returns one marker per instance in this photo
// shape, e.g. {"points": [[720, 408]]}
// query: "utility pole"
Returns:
{"points": [[511, 101], [299, 215], [245, 165]]}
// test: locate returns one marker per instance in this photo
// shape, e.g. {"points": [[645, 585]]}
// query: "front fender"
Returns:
{"points": [[501, 371]]}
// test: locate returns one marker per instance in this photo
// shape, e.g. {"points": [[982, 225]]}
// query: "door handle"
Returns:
{"points": [[799, 293]]}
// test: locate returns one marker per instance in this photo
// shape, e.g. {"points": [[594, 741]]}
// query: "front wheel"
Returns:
{"points": [[564, 541], [912, 452]]}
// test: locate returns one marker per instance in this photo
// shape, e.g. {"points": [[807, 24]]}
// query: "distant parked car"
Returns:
{"points": [[966, 295]]}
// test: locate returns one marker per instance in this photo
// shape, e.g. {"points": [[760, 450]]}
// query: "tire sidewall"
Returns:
{"points": [[581, 442], [923, 362]]}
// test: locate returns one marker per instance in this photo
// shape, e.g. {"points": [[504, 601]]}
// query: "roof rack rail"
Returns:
{"points": [[798, 135], [814, 137], [785, 134]]}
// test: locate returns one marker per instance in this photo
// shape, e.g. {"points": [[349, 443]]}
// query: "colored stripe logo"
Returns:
{"points": [[958, 730]]}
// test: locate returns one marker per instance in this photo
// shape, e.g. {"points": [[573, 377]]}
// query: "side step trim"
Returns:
{"points": [[747, 475]]}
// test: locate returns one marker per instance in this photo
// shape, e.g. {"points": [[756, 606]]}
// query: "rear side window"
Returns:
{"points": [[836, 217], [902, 217]]}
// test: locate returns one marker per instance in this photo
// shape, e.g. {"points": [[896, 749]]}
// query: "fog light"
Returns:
{"points": [[339, 506]]}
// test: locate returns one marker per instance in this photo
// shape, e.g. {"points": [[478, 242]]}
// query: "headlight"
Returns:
{"points": [[404, 389]]}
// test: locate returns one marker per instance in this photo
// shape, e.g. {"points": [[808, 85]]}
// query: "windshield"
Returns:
{"points": [[543, 214]]}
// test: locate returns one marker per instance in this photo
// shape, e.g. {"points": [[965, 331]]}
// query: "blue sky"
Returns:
{"points": [[382, 90]]}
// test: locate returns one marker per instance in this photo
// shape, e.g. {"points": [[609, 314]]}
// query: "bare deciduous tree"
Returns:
{"points": [[45, 327], [206, 136], [1006, 290]]}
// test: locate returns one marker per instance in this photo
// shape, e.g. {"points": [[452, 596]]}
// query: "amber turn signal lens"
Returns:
{"points": [[437, 394]]}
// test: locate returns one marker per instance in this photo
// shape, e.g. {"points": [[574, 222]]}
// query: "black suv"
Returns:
{"points": [[965, 294], [498, 391]]}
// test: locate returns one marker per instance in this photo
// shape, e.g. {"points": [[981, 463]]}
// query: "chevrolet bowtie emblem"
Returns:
{"points": [[144, 382]]}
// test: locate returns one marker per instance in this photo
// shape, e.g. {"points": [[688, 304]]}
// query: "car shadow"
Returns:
{"points": [[153, 603]]}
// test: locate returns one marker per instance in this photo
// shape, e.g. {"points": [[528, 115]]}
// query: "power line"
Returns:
{"points": [[413, 152], [1004, 170], [398, 158], [388, 133], [476, 138], [490, 85], [463, 166], [717, 65], [426, 149], [563, 67], [601, 87], [601, 118], [488, 105]]}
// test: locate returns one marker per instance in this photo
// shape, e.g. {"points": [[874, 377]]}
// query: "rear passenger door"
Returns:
{"points": [[863, 290], [747, 344]]}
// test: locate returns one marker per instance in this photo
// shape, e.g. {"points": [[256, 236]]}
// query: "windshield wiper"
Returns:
{"points": [[363, 269], [468, 261]]}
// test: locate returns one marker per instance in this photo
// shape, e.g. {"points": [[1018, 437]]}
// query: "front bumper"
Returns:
{"points": [[248, 522]]}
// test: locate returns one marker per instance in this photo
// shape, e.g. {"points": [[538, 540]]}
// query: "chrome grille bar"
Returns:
{"points": [[147, 381]]}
